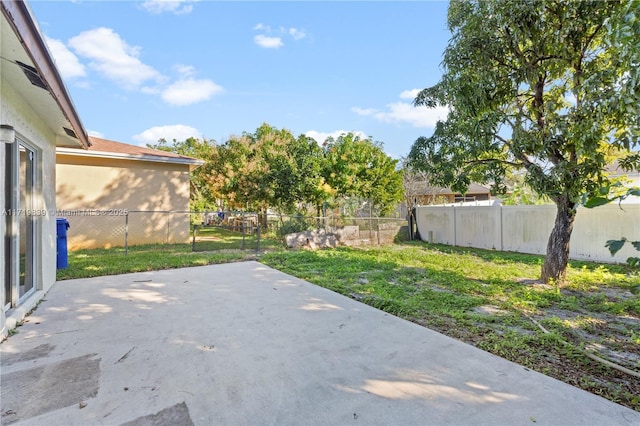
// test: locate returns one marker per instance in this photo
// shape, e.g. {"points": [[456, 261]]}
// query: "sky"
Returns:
{"points": [[138, 71]]}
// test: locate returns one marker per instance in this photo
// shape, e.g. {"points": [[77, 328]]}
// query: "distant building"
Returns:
{"points": [[426, 194]]}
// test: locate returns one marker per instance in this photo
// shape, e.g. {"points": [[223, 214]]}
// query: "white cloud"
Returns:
{"points": [[404, 112], [178, 7], [113, 57], [410, 94], [422, 116], [273, 42], [95, 133], [262, 27], [179, 132], [268, 42], [67, 63], [185, 70], [321, 137], [364, 111], [296, 33], [190, 91]]}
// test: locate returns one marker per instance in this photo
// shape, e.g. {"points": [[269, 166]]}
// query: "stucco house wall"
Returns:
{"points": [[17, 111], [36, 116], [97, 189]]}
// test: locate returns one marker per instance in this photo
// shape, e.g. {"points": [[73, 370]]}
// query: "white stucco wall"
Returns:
{"points": [[526, 229], [478, 227], [15, 111], [437, 223]]}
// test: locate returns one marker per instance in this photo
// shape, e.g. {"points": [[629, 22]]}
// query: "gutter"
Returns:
{"points": [[191, 162]]}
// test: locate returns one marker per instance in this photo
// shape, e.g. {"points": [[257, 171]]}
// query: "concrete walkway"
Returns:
{"points": [[243, 344]]}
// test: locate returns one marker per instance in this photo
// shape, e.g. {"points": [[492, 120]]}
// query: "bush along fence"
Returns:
{"points": [[221, 230]]}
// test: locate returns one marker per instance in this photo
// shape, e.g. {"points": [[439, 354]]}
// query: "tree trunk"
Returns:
{"points": [[555, 264], [262, 217]]}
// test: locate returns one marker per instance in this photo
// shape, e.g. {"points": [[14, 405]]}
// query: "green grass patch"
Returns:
{"points": [[112, 261], [213, 245], [210, 238]]}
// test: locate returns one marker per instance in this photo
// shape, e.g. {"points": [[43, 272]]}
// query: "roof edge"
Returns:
{"points": [[23, 23], [192, 162]]}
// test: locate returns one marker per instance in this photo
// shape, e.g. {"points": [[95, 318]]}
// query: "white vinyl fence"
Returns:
{"points": [[526, 229]]}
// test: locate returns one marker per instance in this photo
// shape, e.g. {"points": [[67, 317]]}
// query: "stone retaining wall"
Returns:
{"points": [[350, 236]]}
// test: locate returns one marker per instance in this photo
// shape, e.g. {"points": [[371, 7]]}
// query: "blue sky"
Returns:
{"points": [[139, 71]]}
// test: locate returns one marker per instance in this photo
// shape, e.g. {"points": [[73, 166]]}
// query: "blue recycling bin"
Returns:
{"points": [[62, 254]]}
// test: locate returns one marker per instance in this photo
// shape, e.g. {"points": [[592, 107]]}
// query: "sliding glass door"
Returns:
{"points": [[27, 220], [21, 222]]}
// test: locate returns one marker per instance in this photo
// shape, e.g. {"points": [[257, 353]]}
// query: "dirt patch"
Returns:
{"points": [[489, 310]]}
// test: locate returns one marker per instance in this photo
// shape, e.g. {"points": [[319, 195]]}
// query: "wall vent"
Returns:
{"points": [[33, 75], [70, 132]]}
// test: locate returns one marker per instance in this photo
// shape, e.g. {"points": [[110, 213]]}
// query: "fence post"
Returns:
{"points": [[324, 216], [455, 229], [501, 230], [126, 233], [193, 242], [259, 225], [378, 221], [242, 226]]}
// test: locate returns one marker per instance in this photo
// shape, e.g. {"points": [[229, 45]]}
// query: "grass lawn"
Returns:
{"points": [[214, 245], [210, 238], [492, 300]]}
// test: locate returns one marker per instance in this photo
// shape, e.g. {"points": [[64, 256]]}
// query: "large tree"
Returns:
{"points": [[551, 87], [356, 167], [269, 168]]}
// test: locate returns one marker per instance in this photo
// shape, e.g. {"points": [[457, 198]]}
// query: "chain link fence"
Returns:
{"points": [[209, 230]]}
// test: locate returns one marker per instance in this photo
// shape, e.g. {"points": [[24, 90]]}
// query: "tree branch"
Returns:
{"points": [[493, 160]]}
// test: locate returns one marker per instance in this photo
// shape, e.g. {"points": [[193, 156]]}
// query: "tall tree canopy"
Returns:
{"points": [[551, 87], [271, 168], [359, 168]]}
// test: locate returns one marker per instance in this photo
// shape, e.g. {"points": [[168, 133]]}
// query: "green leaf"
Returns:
{"points": [[596, 202]]}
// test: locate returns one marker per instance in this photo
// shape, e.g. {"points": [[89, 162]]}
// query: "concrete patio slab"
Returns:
{"points": [[243, 344]]}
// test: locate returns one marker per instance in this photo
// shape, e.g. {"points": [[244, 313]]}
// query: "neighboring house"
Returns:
{"points": [[421, 193], [113, 190], [426, 194], [36, 116]]}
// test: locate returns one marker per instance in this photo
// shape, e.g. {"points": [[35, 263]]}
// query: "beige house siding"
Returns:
{"points": [[86, 185]]}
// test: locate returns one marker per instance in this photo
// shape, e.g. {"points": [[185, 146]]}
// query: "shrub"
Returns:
{"points": [[294, 225]]}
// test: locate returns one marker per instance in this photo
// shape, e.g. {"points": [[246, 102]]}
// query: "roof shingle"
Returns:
{"points": [[105, 145]]}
